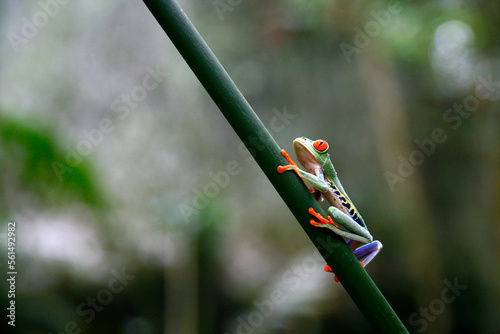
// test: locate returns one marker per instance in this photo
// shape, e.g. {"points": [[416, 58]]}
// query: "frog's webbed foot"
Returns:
{"points": [[329, 270], [323, 222], [292, 165], [290, 161]]}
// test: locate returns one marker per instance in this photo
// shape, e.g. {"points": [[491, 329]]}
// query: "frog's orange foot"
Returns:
{"points": [[282, 169], [290, 161], [329, 270], [322, 220]]}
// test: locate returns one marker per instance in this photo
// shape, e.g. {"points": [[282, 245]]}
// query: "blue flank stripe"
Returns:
{"points": [[352, 211]]}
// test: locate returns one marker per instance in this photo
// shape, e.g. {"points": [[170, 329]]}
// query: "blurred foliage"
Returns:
{"points": [[210, 270], [34, 164]]}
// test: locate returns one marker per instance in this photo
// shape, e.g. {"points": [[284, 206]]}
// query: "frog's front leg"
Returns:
{"points": [[309, 178], [352, 230]]}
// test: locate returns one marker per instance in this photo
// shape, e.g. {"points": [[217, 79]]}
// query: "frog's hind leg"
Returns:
{"points": [[336, 219], [364, 254], [367, 252]]}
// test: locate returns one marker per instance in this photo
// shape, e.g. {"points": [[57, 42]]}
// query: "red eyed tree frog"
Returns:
{"points": [[344, 219]]}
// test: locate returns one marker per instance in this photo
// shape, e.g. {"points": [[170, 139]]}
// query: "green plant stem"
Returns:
{"points": [[266, 152]]}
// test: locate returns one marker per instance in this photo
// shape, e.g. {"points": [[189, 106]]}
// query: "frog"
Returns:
{"points": [[343, 217]]}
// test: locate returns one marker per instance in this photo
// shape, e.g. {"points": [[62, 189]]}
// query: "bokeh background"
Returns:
{"points": [[114, 164]]}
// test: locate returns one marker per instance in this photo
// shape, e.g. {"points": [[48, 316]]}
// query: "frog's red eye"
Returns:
{"points": [[321, 145]]}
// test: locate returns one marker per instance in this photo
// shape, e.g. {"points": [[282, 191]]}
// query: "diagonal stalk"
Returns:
{"points": [[266, 152]]}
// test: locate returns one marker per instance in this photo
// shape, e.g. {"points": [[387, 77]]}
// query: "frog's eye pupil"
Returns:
{"points": [[321, 145]]}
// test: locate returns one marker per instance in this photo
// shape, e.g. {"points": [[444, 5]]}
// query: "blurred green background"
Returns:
{"points": [[138, 210]]}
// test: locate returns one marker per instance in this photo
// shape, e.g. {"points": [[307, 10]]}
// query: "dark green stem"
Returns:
{"points": [[266, 152]]}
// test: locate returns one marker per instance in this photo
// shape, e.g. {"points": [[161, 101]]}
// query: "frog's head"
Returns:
{"points": [[313, 155]]}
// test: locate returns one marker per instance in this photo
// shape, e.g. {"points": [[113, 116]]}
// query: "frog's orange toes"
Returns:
{"points": [[290, 161], [321, 219], [329, 270]]}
